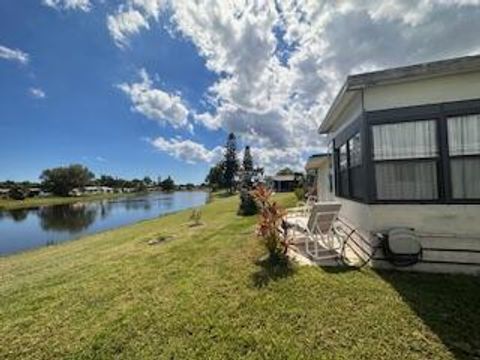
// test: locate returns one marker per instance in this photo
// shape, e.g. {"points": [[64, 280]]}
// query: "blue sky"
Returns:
{"points": [[84, 117], [152, 87]]}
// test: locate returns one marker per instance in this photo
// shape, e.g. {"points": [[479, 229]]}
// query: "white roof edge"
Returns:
{"points": [[418, 71], [339, 103]]}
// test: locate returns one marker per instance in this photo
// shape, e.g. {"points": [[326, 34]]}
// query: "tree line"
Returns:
{"points": [[61, 181]]}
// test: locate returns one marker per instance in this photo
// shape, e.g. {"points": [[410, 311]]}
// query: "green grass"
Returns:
{"points": [[9, 204], [202, 295]]}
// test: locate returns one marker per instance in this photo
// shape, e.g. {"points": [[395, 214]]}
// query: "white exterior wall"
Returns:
{"points": [[422, 92], [448, 220], [323, 183], [445, 227]]}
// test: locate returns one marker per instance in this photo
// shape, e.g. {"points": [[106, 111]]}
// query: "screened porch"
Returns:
{"points": [[421, 154]]}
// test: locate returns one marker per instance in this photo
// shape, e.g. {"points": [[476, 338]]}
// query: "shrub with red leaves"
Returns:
{"points": [[270, 222]]}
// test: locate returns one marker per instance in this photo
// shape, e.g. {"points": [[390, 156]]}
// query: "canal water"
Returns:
{"points": [[25, 229]]}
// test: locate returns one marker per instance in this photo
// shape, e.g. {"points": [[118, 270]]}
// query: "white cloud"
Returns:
{"points": [[188, 150], [276, 100], [83, 5], [100, 159], [14, 55], [208, 120], [194, 152], [151, 8], [281, 63], [37, 93], [124, 24], [157, 104]]}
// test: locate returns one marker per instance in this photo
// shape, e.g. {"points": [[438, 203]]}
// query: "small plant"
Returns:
{"points": [[300, 193], [270, 222], [196, 217]]}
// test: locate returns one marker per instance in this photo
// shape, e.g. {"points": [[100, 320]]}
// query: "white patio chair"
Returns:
{"points": [[302, 208], [317, 231]]}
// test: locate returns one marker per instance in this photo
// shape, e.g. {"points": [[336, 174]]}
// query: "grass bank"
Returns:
{"points": [[8, 204], [201, 295]]}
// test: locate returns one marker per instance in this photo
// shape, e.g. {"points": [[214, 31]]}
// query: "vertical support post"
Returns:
{"points": [[443, 181], [368, 166]]}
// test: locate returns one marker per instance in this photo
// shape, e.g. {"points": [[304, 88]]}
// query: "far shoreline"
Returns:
{"points": [[8, 204]]}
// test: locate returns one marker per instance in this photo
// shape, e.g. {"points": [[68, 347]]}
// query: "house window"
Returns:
{"points": [[405, 157], [350, 179], [343, 166], [464, 152], [355, 166]]}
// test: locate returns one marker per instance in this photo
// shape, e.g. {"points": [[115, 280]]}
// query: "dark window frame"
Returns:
{"points": [[437, 112], [343, 172], [435, 159], [342, 139], [450, 157], [358, 168], [344, 176]]}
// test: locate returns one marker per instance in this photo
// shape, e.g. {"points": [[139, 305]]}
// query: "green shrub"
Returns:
{"points": [[300, 193], [248, 206], [17, 193]]}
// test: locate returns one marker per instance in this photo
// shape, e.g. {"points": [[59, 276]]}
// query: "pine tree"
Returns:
{"points": [[248, 205], [247, 160], [215, 178], [231, 162]]}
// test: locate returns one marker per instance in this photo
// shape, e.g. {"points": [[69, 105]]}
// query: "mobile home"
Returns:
{"points": [[406, 153], [287, 182]]}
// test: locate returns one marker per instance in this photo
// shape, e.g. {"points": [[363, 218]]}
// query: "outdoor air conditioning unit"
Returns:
{"points": [[401, 246]]}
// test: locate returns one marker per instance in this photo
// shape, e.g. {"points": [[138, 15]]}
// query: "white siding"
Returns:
{"points": [[323, 183], [432, 219], [422, 92], [448, 227]]}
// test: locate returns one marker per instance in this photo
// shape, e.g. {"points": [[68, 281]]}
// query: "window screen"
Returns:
{"points": [[464, 151], [405, 156], [355, 166]]}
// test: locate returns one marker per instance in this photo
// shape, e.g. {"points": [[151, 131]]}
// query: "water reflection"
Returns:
{"points": [[136, 204], [72, 218], [18, 214], [28, 228]]}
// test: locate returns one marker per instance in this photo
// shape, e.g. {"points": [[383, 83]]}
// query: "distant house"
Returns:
{"points": [[90, 190], [284, 183], [32, 192], [406, 153]]}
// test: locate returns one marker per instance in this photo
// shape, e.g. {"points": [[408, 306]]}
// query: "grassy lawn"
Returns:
{"points": [[202, 295], [8, 204]]}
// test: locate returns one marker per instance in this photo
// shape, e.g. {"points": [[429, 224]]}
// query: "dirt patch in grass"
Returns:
{"points": [[160, 239]]}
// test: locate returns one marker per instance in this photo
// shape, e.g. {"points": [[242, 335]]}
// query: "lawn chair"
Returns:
{"points": [[302, 208], [317, 231]]}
